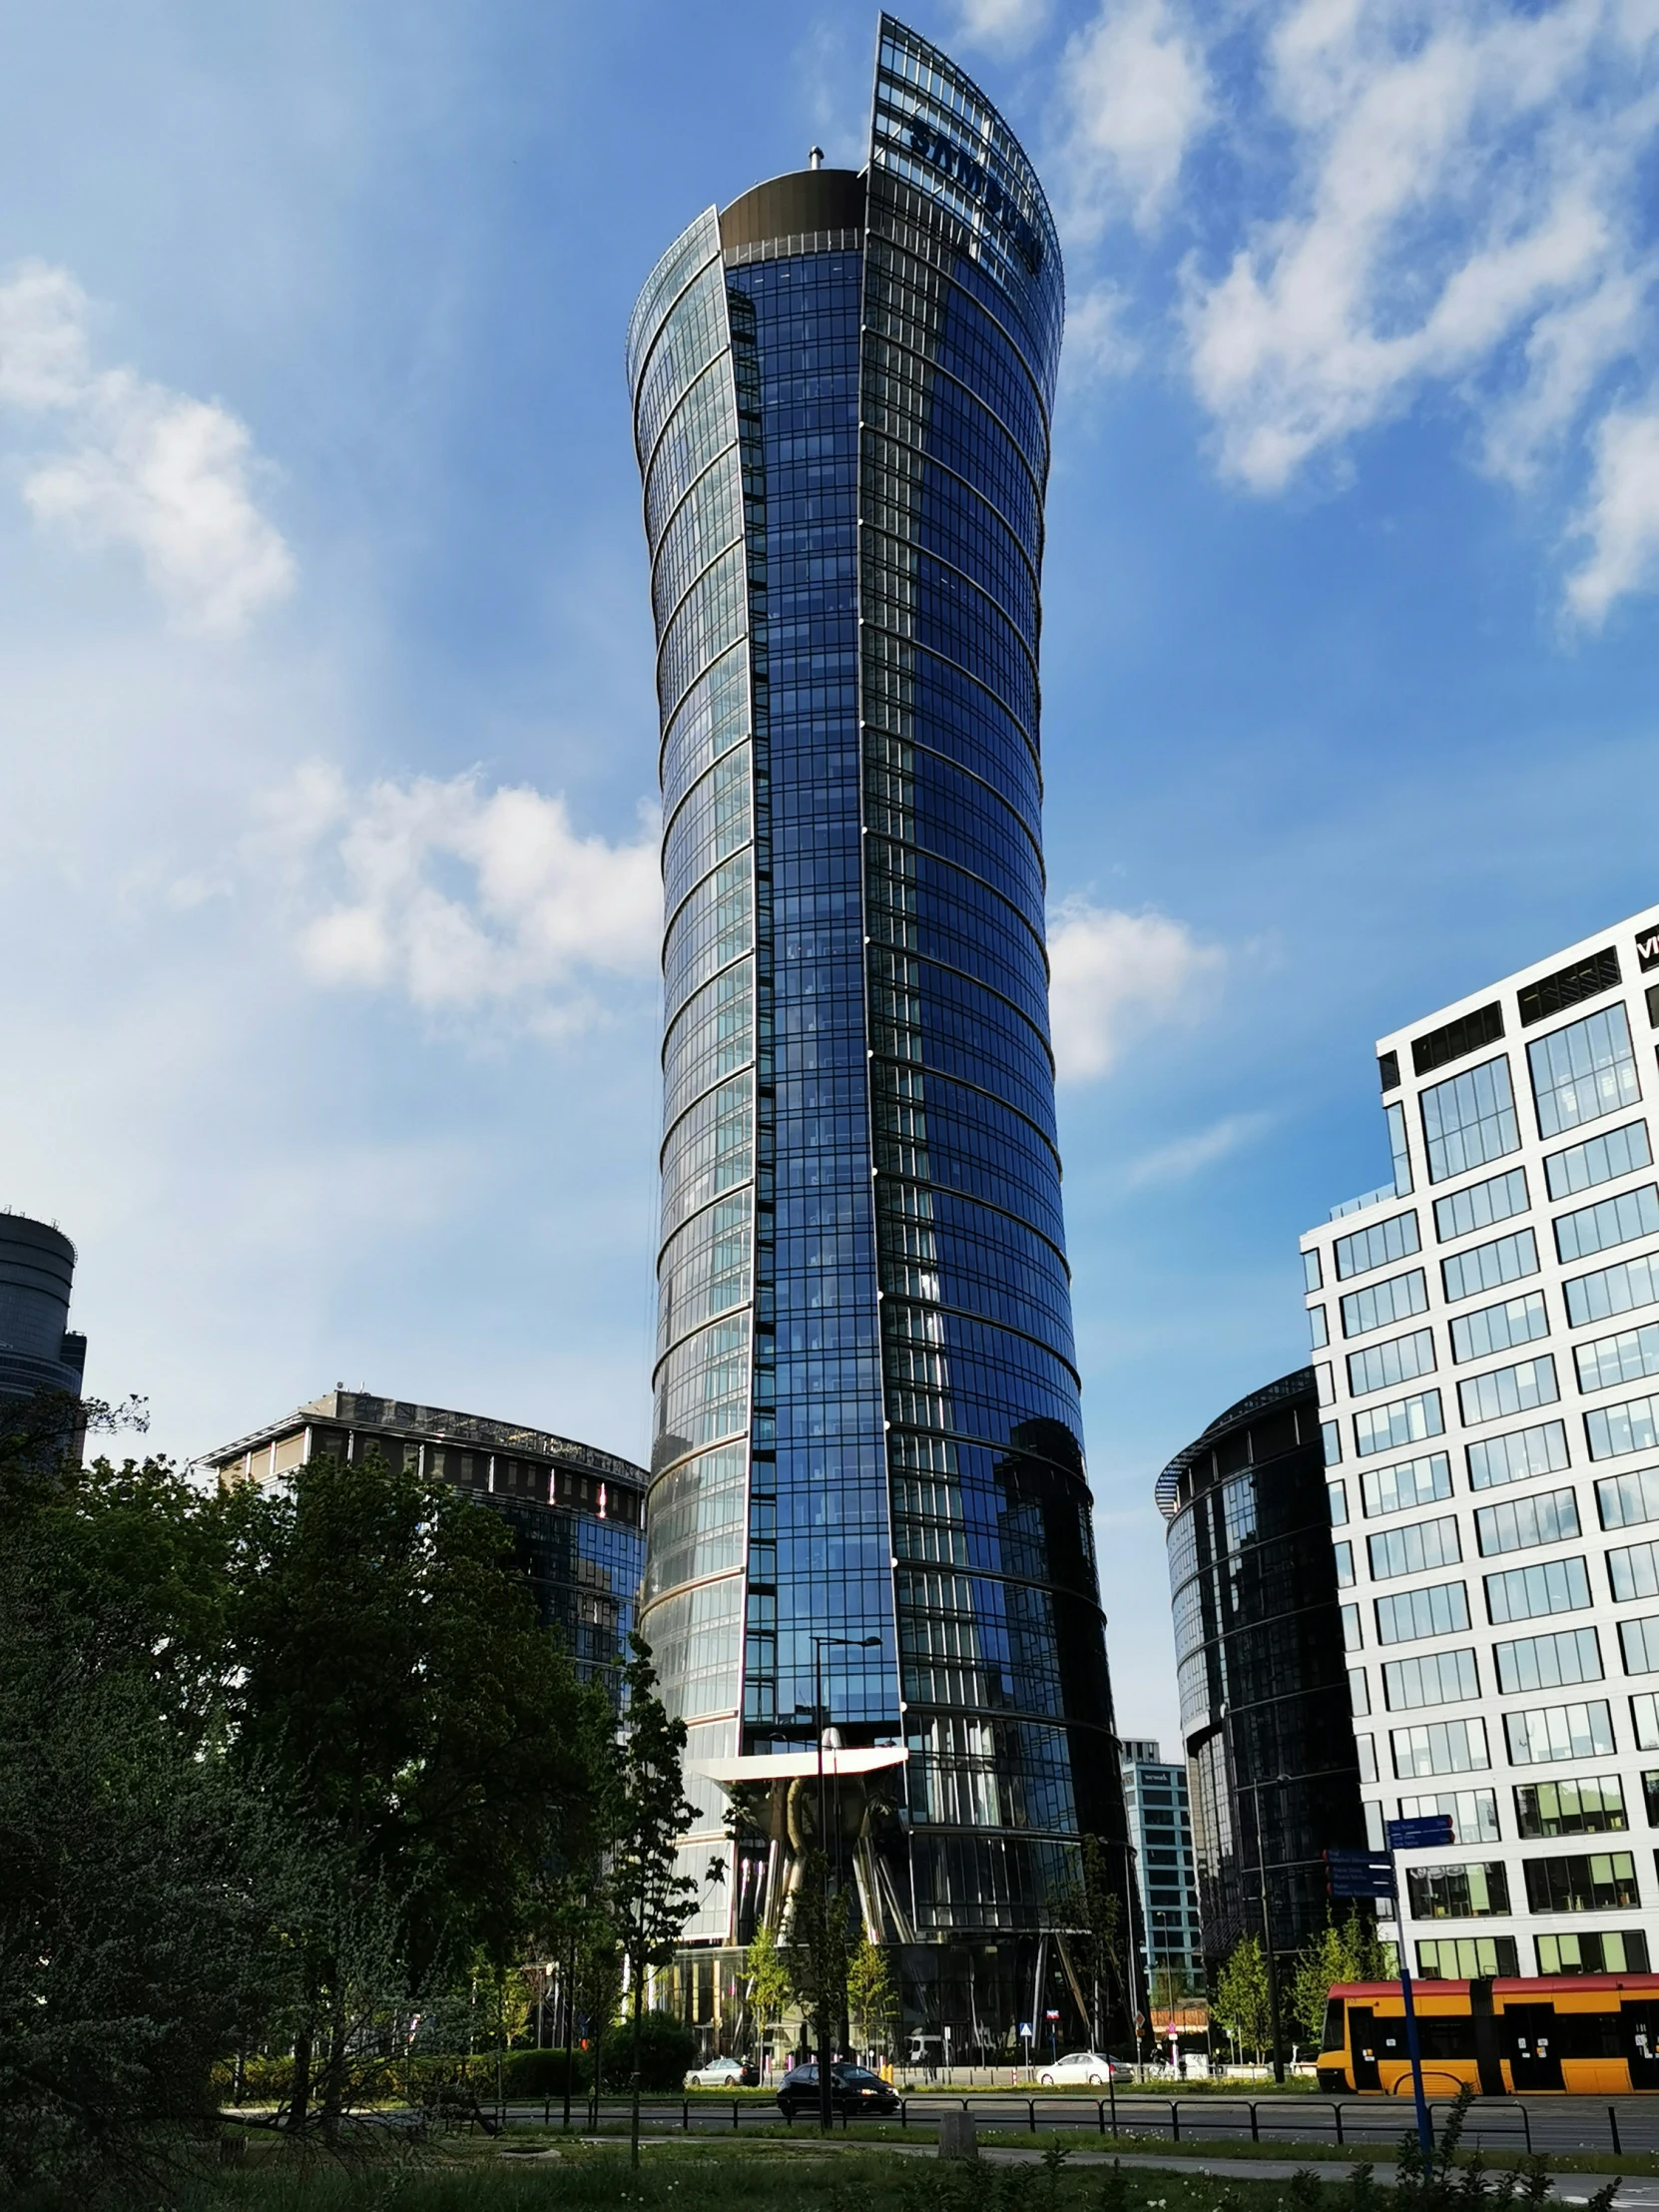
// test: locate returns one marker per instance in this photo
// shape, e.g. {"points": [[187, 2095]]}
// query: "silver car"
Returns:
{"points": [[718, 2073], [1081, 2069]]}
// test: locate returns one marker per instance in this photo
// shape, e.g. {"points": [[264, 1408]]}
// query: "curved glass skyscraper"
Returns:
{"points": [[870, 1508]]}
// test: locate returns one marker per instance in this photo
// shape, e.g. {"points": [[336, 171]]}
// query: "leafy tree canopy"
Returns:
{"points": [[872, 1999], [270, 1762], [1347, 1952], [391, 1671], [1241, 1998]]}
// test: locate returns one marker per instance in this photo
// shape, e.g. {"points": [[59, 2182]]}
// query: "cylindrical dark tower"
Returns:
{"points": [[38, 1351], [866, 1391], [1272, 1772]]}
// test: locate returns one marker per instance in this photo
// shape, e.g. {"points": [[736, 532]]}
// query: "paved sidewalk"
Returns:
{"points": [[1635, 2190]]}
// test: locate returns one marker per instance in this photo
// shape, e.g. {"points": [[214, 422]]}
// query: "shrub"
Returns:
{"points": [[527, 2075], [667, 2049]]}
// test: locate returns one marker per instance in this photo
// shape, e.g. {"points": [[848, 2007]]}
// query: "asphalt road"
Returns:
{"points": [[1549, 2123]]}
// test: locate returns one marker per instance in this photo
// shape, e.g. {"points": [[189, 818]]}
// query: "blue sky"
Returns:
{"points": [[326, 737]]}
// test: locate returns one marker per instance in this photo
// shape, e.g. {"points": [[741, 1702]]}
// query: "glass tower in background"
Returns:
{"points": [[1261, 1654], [869, 1512]]}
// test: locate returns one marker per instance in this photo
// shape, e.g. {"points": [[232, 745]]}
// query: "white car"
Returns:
{"points": [[1082, 2070], [718, 2073]]}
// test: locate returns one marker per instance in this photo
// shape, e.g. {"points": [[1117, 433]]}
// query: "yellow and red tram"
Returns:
{"points": [[1588, 2035]]}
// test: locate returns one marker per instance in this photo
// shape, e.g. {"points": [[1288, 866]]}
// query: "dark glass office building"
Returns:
{"points": [[576, 1513], [38, 1348], [1262, 1668], [867, 1439]]}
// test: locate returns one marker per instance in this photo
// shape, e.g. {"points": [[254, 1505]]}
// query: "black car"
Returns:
{"points": [[853, 2089]]}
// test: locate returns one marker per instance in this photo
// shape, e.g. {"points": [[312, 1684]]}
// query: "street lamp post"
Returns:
{"points": [[820, 1724], [1130, 1950]]}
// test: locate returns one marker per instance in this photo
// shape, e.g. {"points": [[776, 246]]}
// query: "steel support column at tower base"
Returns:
{"points": [[868, 1434], [982, 1993]]}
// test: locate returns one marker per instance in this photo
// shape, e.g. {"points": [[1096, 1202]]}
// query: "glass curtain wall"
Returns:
{"points": [[1262, 1667], [867, 1406], [686, 436]]}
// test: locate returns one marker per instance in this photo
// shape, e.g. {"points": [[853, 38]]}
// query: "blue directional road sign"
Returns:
{"points": [[1358, 1874], [1437, 1828]]}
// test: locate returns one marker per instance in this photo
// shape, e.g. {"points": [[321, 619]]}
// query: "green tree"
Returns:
{"points": [[575, 1930], [598, 1985], [271, 1764], [651, 1812], [872, 1999], [133, 1921], [819, 1951], [1091, 1911], [1241, 1998], [392, 1680], [1347, 1952], [768, 1975]]}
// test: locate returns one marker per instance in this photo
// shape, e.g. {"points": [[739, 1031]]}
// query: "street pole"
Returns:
{"points": [[1376, 1873], [568, 1992], [826, 2114], [1425, 2132], [1129, 1952]]}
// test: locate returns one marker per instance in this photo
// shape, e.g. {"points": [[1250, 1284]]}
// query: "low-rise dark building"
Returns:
{"points": [[578, 1513], [1262, 1673]]}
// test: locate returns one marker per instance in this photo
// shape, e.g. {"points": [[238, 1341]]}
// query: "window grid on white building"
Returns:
{"points": [[1490, 1411]]}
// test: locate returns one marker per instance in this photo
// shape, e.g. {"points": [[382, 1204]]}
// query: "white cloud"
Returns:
{"points": [[1188, 1156], [1136, 94], [1621, 515], [461, 899], [43, 340], [1114, 974], [1000, 22], [1097, 345], [1461, 206], [153, 469]]}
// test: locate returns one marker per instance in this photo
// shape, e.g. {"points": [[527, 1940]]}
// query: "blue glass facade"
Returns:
{"points": [[867, 1425]]}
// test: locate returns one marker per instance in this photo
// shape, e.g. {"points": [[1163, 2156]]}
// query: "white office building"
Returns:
{"points": [[1486, 1340]]}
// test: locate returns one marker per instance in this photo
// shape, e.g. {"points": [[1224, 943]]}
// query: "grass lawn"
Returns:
{"points": [[764, 2175], [705, 2177]]}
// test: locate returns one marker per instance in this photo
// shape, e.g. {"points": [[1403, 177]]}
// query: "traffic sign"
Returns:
{"points": [[1434, 1827], [1360, 1885], [1358, 1874], [1371, 1874]]}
